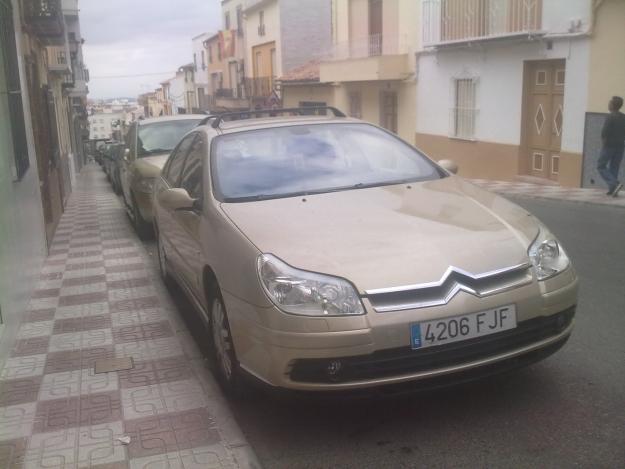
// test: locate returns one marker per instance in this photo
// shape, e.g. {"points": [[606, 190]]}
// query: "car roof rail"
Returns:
{"points": [[270, 112], [207, 118]]}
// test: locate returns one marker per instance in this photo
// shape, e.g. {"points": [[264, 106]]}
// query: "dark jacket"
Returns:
{"points": [[613, 132]]}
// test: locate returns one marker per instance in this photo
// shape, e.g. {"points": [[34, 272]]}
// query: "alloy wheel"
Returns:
{"points": [[221, 339]]}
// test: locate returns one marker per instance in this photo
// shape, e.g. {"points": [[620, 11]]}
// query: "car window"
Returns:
{"points": [[162, 136], [305, 159], [173, 170], [131, 141], [192, 174]]}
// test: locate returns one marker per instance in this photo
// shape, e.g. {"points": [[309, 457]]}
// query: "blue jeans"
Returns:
{"points": [[609, 163]]}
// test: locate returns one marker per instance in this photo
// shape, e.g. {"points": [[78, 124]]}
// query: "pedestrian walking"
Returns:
{"points": [[613, 146]]}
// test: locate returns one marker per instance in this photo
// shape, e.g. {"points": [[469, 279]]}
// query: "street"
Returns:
{"points": [[564, 412]]}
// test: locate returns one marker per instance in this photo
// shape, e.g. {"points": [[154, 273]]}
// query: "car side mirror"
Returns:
{"points": [[177, 199], [449, 165]]}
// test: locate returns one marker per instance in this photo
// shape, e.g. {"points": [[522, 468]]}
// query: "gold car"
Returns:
{"points": [[148, 144], [325, 253]]}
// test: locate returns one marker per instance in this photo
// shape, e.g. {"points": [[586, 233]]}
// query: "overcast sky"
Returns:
{"points": [[130, 37]]}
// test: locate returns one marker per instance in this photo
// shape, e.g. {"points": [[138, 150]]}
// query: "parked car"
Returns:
{"points": [[149, 143], [324, 253]]}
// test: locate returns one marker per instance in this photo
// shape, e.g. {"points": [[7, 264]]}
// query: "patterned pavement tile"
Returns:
{"points": [[19, 391], [170, 432], [85, 280], [150, 349], [46, 293], [149, 372], [83, 410], [91, 309], [32, 346], [126, 284], [34, 329], [83, 323], [131, 318], [83, 299], [134, 304], [39, 315], [84, 266], [98, 445], [125, 268], [77, 359], [83, 289], [78, 340], [17, 421], [120, 294], [23, 367], [203, 457], [155, 399], [132, 274], [83, 273], [12, 453], [154, 330], [52, 449]]}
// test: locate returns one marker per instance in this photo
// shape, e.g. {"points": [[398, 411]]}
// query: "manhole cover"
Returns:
{"points": [[113, 364]]}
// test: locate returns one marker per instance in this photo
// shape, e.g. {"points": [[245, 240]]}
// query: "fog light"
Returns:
{"points": [[334, 368]]}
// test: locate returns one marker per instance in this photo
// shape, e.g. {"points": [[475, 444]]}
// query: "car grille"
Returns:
{"points": [[453, 281], [400, 361]]}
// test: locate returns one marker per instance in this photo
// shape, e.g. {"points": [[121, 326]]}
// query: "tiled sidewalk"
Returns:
{"points": [[589, 196], [100, 297]]}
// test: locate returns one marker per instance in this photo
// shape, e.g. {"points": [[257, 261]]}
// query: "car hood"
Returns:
{"points": [[391, 236], [150, 166]]}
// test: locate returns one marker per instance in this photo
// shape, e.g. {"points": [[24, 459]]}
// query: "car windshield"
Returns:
{"points": [[162, 137], [311, 159]]}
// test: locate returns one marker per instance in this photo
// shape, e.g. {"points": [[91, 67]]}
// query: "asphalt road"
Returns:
{"points": [[567, 411]]}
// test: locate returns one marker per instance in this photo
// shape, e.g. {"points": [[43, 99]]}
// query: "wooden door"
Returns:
{"points": [[544, 115], [388, 118]]}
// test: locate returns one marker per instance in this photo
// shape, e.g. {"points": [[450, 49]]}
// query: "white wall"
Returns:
{"points": [[272, 33], [499, 68], [558, 15], [177, 90], [100, 125], [201, 74]]}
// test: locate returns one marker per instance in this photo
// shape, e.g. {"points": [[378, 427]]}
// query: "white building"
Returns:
{"points": [[200, 68], [182, 90], [101, 125], [503, 89]]}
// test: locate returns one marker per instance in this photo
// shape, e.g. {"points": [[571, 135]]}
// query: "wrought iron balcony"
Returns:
{"points": [[260, 87], [45, 19], [459, 21]]}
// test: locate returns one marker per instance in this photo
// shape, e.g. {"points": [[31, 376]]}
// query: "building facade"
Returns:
{"points": [[200, 69], [369, 71], [42, 132], [503, 89], [282, 35]]}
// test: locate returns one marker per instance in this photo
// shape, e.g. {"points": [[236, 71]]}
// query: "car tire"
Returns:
{"points": [[143, 228], [222, 354], [162, 261]]}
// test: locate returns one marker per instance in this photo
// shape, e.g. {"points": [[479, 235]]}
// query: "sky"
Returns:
{"points": [[148, 37]]}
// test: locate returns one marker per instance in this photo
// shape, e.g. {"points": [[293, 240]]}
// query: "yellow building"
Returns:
{"points": [[369, 71]]}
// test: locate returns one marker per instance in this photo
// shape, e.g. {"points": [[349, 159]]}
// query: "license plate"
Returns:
{"points": [[467, 326]]}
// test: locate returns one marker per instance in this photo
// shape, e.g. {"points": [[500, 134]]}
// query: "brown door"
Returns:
{"points": [[544, 117], [375, 27], [388, 118]]}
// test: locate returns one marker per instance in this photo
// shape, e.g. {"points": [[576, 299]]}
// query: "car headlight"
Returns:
{"points": [[547, 255], [306, 293], [145, 185]]}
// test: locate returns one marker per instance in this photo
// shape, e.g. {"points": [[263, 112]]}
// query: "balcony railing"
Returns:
{"points": [[260, 87], [58, 59], [370, 46], [45, 20], [453, 21]]}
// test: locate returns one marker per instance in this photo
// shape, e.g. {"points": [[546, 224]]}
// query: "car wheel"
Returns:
{"points": [[224, 358], [143, 228], [162, 260]]}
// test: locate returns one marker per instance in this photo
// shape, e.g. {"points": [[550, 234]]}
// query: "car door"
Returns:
{"points": [[168, 231], [126, 162], [189, 221]]}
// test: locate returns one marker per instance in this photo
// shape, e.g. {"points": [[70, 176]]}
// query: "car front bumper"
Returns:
{"points": [[374, 350]]}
